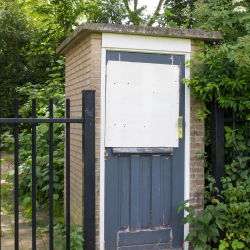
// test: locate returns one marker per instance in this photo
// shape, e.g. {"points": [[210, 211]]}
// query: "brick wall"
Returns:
{"points": [[83, 71], [197, 133]]}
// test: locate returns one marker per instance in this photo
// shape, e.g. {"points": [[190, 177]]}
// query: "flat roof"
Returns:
{"points": [[86, 28]]}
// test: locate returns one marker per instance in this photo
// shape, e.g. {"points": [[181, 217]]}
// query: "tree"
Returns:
{"points": [[118, 12], [176, 14], [225, 67], [16, 36], [30, 31]]}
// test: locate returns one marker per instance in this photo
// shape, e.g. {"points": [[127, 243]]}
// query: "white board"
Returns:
{"points": [[142, 105]]}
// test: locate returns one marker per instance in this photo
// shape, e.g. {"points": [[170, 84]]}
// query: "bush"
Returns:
{"points": [[53, 90], [231, 214]]}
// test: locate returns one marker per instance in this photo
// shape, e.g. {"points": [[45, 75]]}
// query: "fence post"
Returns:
{"points": [[217, 143], [88, 154]]}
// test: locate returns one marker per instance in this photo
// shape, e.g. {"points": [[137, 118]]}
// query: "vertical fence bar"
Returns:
{"points": [[246, 138], [217, 150], [234, 152], [68, 176], [88, 147], [16, 177], [51, 176], [217, 143], [33, 176], [0, 176]]}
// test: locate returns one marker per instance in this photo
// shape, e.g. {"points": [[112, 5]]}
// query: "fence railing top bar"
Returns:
{"points": [[41, 120], [235, 120]]}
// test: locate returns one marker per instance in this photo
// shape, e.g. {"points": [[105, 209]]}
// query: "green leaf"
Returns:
{"points": [[45, 188], [227, 129], [184, 221], [167, 12], [190, 209], [199, 225], [192, 232], [244, 174], [46, 178], [200, 246], [26, 200], [189, 218], [219, 223], [44, 128], [172, 24], [200, 218], [237, 244], [55, 196], [58, 186], [202, 237], [207, 217], [213, 231], [221, 216]]}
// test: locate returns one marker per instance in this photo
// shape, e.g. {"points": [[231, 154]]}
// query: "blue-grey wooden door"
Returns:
{"points": [[142, 188]]}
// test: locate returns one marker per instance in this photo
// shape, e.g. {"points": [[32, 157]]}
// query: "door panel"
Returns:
{"points": [[142, 186], [144, 199]]}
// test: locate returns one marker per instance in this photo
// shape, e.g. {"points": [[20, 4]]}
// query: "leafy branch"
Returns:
{"points": [[152, 20]]}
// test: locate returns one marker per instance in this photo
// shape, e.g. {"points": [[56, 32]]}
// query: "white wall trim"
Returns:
{"points": [[143, 44], [187, 148], [102, 148]]}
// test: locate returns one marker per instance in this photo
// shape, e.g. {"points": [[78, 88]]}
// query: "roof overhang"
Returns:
{"points": [[87, 28]]}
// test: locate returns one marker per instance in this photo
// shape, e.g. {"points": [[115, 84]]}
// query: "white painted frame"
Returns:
{"points": [[143, 44]]}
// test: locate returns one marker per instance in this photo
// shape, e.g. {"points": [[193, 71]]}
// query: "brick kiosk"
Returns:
{"points": [[88, 50]]}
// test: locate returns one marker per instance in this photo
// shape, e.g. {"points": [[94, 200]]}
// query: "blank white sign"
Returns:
{"points": [[142, 105]]}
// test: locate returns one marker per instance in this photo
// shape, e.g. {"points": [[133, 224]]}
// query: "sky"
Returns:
{"points": [[151, 4]]}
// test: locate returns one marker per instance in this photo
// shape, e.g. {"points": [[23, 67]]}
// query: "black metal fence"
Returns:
{"points": [[88, 150], [218, 121]]}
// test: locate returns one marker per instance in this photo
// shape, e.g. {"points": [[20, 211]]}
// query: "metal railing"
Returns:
{"points": [[218, 121], [88, 150]]}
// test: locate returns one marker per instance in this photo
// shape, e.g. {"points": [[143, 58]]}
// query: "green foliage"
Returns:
{"points": [[120, 12], [30, 32], [205, 227], [76, 239], [53, 90], [57, 18], [16, 34], [176, 14], [110, 11], [215, 76], [231, 214], [232, 19], [222, 72], [236, 192]]}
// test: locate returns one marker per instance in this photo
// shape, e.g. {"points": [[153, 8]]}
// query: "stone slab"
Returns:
{"points": [[86, 28]]}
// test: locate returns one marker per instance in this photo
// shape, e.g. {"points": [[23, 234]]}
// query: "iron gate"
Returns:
{"points": [[88, 150]]}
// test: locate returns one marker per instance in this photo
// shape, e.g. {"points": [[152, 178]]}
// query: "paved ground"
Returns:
{"points": [[25, 230]]}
